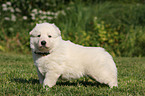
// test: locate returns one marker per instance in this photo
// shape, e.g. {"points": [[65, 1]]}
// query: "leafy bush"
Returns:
{"points": [[129, 20], [115, 26], [119, 28], [133, 43], [17, 19]]}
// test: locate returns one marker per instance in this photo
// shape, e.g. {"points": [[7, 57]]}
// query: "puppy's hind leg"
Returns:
{"points": [[105, 77], [113, 84]]}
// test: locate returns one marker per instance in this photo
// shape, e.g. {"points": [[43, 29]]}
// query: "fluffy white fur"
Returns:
{"points": [[67, 59]]}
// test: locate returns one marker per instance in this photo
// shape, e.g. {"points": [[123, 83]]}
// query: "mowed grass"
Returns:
{"points": [[18, 76]]}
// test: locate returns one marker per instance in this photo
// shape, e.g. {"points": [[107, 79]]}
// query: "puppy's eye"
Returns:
{"points": [[49, 36], [38, 35]]}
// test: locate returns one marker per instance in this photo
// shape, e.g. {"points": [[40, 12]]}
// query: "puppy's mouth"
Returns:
{"points": [[42, 53], [43, 47], [42, 50]]}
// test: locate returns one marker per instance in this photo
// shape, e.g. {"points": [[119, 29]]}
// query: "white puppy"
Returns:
{"points": [[55, 57]]}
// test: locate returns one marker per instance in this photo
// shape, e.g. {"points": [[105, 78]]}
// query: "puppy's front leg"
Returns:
{"points": [[40, 76], [50, 79]]}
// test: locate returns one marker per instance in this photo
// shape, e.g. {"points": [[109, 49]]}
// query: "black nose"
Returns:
{"points": [[43, 42]]}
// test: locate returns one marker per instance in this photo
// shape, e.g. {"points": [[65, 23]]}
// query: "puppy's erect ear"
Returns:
{"points": [[57, 29], [30, 33]]}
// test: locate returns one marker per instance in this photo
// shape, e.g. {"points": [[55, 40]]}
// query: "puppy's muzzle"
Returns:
{"points": [[43, 43]]}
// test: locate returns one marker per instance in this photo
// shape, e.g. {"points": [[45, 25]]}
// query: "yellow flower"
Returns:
{"points": [[2, 48]]}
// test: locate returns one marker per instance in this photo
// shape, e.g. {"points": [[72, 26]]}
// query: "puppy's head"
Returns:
{"points": [[44, 37]]}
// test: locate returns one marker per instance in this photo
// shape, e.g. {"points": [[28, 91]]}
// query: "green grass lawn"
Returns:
{"points": [[18, 77]]}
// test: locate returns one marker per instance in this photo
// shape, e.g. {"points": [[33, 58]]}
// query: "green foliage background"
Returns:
{"points": [[116, 25]]}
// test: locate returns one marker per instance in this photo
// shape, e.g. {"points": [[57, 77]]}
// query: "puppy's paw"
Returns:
{"points": [[46, 87]]}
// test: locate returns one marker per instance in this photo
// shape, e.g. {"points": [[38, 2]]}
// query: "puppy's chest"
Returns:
{"points": [[46, 64], [43, 66]]}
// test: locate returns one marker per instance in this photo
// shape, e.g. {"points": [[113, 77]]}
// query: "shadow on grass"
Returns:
{"points": [[21, 80], [61, 82], [82, 83]]}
